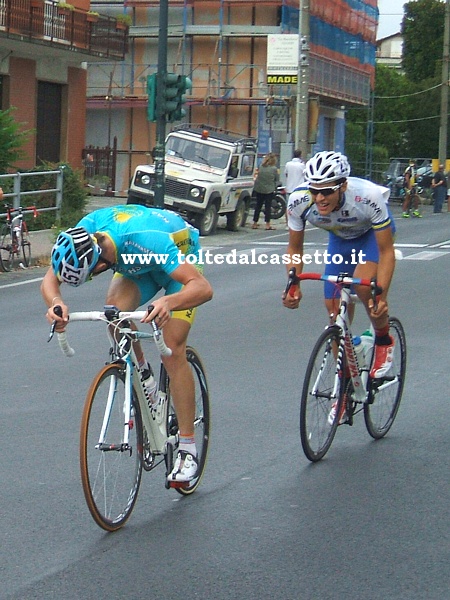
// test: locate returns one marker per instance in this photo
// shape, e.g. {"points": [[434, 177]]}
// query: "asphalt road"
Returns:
{"points": [[369, 521]]}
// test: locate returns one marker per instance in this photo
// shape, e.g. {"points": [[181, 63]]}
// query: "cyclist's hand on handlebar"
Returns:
{"points": [[59, 316], [378, 309], [160, 313], [293, 297]]}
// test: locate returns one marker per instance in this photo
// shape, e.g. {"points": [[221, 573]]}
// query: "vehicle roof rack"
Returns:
{"points": [[216, 132]]}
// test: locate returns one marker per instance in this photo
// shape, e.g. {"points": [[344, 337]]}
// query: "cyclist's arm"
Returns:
{"points": [[51, 293], [196, 290], [294, 256], [385, 270]]}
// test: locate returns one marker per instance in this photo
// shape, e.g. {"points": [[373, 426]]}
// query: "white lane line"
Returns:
{"points": [[425, 255], [9, 285]]}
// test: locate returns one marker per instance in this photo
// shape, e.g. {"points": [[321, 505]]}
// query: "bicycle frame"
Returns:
{"points": [[346, 345], [359, 376], [123, 352]]}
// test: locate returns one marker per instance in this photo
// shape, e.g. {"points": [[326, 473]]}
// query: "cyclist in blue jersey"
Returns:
{"points": [[355, 213], [147, 250]]}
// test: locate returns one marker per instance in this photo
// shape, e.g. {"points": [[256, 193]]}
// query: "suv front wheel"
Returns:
{"points": [[206, 222], [237, 218]]}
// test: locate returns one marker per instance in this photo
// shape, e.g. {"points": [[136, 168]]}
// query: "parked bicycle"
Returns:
{"points": [[121, 430], [14, 238], [338, 372]]}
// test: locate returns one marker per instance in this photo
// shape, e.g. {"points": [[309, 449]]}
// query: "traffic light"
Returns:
{"points": [[184, 85], [174, 93], [169, 101], [151, 91]]}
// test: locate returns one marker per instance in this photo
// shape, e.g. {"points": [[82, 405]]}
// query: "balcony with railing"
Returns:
{"points": [[68, 29]]}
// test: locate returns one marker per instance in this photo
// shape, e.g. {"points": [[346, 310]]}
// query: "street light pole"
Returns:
{"points": [[444, 88], [301, 113], [161, 116]]}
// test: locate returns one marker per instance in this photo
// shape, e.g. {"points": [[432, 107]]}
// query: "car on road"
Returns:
{"points": [[208, 172]]}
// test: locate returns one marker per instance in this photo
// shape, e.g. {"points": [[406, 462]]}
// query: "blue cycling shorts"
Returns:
{"points": [[349, 251]]}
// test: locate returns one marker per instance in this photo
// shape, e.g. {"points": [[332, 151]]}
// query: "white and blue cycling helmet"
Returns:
{"points": [[326, 167], [74, 256]]}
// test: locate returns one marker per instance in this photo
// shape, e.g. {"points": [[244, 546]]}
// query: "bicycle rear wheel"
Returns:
{"points": [[25, 245], [323, 386], [110, 472], [6, 249], [380, 414], [202, 420]]}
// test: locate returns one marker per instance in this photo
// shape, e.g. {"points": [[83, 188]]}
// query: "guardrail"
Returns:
{"points": [[18, 193]]}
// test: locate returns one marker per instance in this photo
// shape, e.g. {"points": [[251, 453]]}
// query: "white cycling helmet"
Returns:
{"points": [[327, 167]]}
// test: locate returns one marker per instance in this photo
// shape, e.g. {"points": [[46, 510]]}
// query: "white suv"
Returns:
{"points": [[208, 172]]}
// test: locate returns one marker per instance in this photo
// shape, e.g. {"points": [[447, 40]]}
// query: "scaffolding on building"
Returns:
{"points": [[222, 46], [342, 50]]}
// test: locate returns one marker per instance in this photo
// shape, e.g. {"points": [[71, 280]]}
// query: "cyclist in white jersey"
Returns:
{"points": [[361, 228]]}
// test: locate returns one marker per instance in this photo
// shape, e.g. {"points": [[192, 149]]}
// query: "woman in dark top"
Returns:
{"points": [[264, 189]]}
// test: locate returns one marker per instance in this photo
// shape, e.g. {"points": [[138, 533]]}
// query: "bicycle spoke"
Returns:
{"points": [[201, 420], [321, 389], [110, 450], [386, 395]]}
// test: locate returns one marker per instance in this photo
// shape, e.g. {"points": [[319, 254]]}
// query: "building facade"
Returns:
{"points": [[222, 46], [44, 48]]}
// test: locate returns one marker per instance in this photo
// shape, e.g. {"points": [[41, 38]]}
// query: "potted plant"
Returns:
{"points": [[92, 16], [123, 21], [65, 8]]}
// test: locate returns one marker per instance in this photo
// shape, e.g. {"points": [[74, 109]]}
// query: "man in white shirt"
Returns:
{"points": [[294, 172]]}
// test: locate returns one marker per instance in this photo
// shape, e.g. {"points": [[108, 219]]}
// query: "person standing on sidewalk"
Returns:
{"points": [[294, 172], [439, 186], [265, 186], [409, 181]]}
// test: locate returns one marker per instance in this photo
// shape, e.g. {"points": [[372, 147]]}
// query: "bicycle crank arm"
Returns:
{"points": [[115, 448]]}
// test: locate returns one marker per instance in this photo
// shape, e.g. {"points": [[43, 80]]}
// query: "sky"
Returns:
{"points": [[391, 15]]}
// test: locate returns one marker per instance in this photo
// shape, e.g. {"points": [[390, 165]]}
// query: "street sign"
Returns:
{"points": [[282, 59]]}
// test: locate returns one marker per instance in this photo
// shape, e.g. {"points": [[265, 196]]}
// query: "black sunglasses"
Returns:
{"points": [[324, 191]]}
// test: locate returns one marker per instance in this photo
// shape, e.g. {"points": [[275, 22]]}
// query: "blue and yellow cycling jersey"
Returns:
{"points": [[363, 207], [135, 230]]}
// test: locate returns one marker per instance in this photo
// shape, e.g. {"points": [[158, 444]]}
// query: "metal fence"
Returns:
{"points": [[17, 196]]}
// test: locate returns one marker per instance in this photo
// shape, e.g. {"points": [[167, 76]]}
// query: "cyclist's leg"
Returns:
{"points": [[182, 386]]}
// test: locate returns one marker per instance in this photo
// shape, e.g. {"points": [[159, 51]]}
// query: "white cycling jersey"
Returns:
{"points": [[363, 207]]}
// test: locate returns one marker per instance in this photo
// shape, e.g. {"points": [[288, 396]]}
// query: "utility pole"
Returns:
{"points": [[444, 88], [161, 117], [301, 114]]}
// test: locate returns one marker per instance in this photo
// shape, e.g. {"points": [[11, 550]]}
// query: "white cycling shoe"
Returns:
{"points": [[184, 469]]}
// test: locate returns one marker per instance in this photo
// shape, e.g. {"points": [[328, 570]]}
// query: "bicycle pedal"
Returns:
{"points": [[376, 383], [178, 484]]}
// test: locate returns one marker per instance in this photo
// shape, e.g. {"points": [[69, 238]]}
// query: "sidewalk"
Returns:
{"points": [[42, 241]]}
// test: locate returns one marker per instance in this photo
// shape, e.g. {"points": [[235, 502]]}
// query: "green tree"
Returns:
{"points": [[12, 139], [392, 109], [423, 33]]}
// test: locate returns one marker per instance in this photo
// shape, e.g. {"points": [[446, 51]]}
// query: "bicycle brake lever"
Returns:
{"points": [[292, 280], [376, 292], [58, 311]]}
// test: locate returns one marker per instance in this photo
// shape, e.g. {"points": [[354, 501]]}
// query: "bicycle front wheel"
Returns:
{"points": [[26, 245], [202, 419], [110, 468], [322, 387], [6, 249], [386, 395]]}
